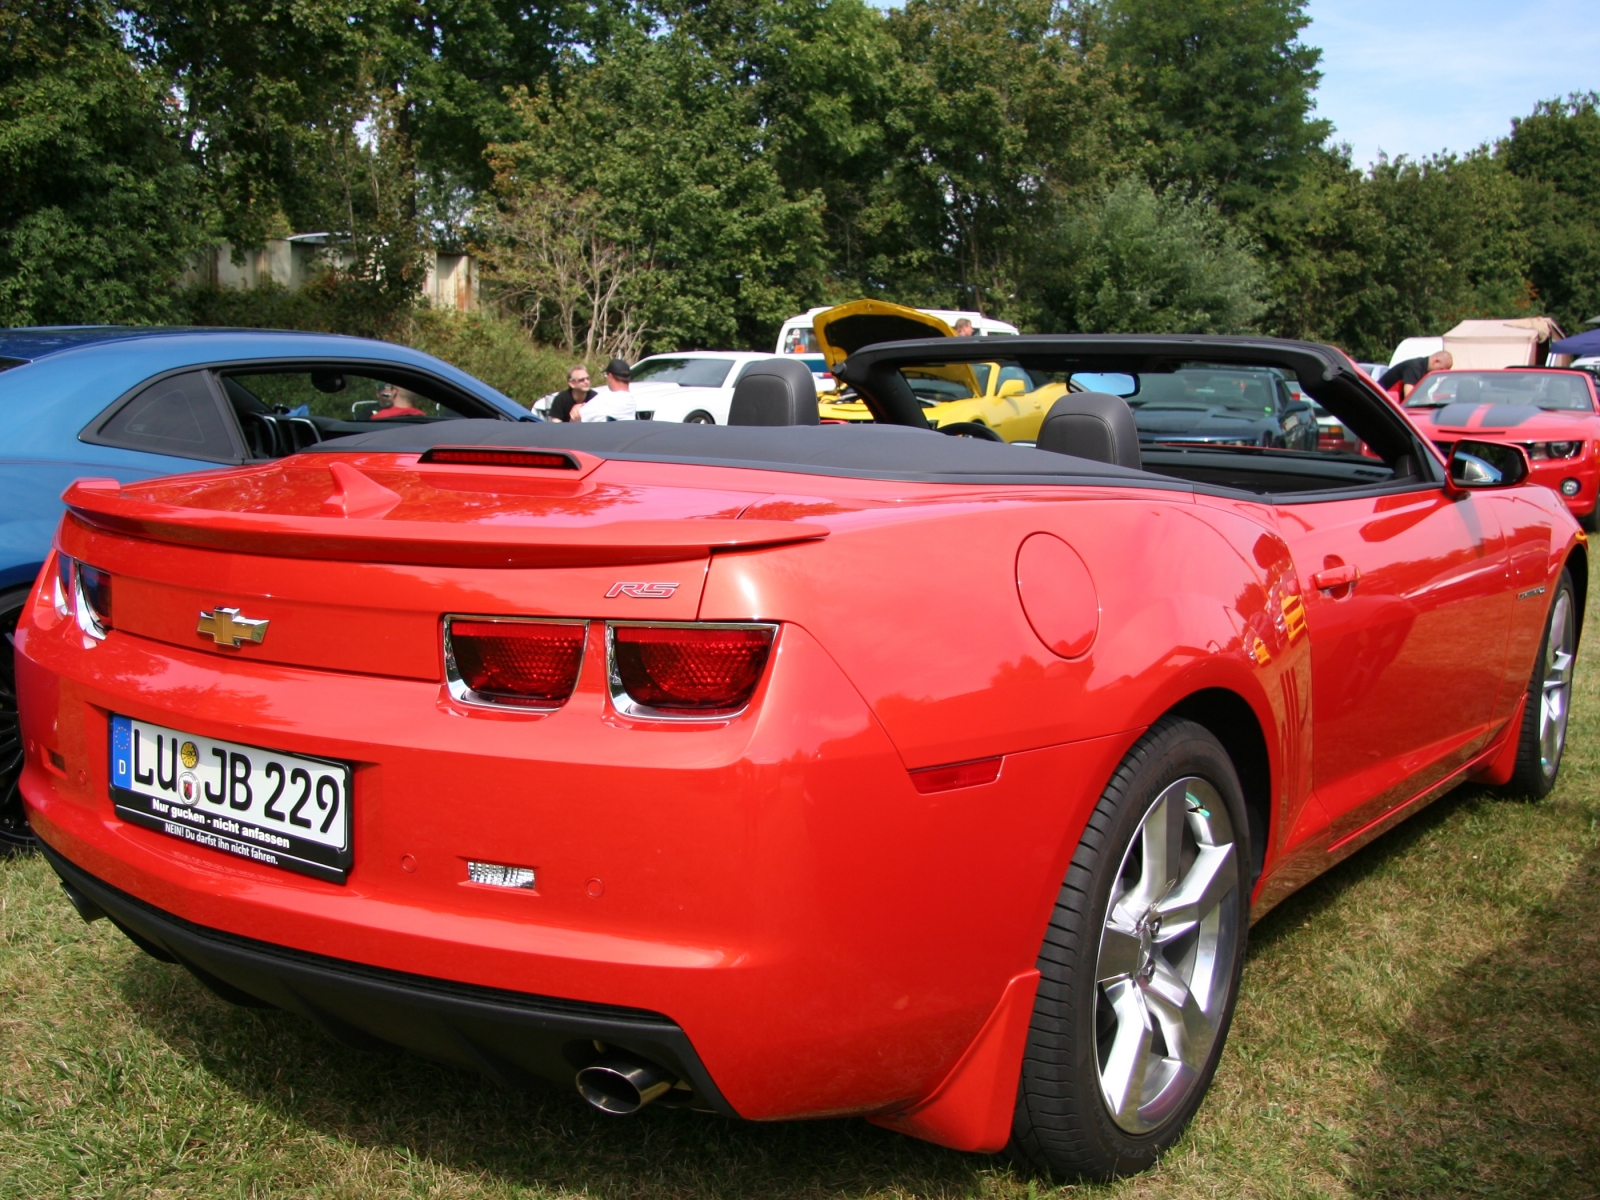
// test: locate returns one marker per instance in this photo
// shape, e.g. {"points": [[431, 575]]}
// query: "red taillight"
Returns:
{"points": [[84, 593], [688, 670], [526, 664], [96, 586]]}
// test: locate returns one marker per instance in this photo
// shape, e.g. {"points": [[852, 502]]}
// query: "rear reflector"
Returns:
{"points": [[687, 670], [476, 456], [956, 775], [523, 664]]}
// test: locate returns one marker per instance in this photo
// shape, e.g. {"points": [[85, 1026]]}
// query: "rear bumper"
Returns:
{"points": [[829, 939], [512, 1037]]}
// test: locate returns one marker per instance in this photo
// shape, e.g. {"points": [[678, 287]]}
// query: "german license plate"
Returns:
{"points": [[285, 810]]}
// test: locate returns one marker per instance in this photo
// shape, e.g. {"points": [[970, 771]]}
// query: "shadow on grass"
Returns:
{"points": [[1325, 891], [543, 1139], [1492, 1087]]}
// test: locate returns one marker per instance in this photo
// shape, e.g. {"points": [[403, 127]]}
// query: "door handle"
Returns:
{"points": [[1336, 577]]}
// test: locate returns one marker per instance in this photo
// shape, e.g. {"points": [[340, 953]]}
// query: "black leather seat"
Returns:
{"points": [[781, 391], [1095, 425]]}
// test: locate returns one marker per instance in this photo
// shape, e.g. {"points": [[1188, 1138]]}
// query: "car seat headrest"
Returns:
{"points": [[1094, 425], [779, 391]]}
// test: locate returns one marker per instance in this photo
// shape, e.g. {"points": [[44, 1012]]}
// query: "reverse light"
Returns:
{"points": [[686, 670], [83, 593], [513, 662]]}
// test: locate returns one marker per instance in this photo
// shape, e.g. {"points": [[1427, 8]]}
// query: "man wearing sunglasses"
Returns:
{"points": [[577, 392]]}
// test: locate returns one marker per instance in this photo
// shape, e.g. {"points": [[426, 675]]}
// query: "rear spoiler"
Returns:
{"points": [[101, 504]]}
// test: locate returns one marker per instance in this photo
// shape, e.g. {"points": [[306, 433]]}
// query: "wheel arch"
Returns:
{"points": [[1578, 566], [1229, 718]]}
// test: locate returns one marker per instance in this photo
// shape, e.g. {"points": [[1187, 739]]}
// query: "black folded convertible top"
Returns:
{"points": [[850, 451]]}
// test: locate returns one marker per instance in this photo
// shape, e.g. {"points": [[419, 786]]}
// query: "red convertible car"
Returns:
{"points": [[784, 770], [1554, 415]]}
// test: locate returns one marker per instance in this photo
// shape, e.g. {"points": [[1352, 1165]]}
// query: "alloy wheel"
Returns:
{"points": [[1166, 955], [1556, 695]]}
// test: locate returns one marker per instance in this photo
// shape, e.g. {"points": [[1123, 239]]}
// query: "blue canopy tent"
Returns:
{"points": [[1579, 343]]}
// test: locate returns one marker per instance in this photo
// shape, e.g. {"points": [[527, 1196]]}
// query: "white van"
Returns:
{"points": [[797, 336]]}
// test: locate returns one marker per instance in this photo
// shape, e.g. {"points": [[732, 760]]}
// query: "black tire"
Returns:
{"points": [[1064, 1125], [1590, 520], [15, 835], [1537, 767], [699, 417]]}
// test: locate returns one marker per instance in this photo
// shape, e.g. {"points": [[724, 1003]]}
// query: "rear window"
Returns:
{"points": [[179, 416], [1536, 389], [686, 372]]}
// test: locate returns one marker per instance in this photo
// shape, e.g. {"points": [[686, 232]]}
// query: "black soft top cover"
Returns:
{"points": [[860, 451]]}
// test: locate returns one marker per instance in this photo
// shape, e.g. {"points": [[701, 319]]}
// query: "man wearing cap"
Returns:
{"points": [[613, 404]]}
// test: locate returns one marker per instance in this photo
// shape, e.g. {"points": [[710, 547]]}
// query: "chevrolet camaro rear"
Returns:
{"points": [[778, 772]]}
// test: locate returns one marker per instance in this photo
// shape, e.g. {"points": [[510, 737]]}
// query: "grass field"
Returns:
{"points": [[1421, 1022]]}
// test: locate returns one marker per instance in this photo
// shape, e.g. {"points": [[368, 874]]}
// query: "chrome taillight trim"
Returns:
{"points": [[626, 706], [75, 603], [462, 694]]}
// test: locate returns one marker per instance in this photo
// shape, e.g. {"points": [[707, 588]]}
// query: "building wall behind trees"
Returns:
{"points": [[701, 169]]}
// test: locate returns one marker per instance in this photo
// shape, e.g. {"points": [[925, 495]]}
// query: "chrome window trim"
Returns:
{"points": [[462, 694], [626, 706]]}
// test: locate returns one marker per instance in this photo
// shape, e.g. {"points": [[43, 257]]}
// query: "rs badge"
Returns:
{"points": [[642, 591]]}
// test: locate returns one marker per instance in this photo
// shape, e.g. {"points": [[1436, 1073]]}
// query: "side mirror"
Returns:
{"points": [[1478, 465], [1013, 387]]}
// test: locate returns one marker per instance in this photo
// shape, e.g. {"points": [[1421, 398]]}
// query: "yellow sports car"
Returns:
{"points": [[1000, 396]]}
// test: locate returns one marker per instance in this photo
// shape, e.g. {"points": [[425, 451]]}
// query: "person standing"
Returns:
{"points": [[1401, 379], [613, 404], [577, 391]]}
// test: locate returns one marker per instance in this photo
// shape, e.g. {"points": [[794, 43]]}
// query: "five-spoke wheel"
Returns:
{"points": [[1173, 921], [1140, 966], [1543, 735]]}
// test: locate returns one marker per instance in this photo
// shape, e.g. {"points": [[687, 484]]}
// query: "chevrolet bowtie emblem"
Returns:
{"points": [[229, 628]]}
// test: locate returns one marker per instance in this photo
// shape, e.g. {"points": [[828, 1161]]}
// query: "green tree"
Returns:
{"points": [[1556, 153], [1367, 259], [1131, 260], [687, 185], [97, 199], [998, 120], [1223, 89]]}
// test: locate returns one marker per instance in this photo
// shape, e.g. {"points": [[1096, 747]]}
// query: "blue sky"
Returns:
{"points": [[1415, 77]]}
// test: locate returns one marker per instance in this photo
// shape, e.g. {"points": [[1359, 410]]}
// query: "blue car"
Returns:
{"points": [[130, 403]]}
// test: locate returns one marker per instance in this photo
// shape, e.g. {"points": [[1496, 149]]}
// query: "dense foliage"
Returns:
{"points": [[646, 174]]}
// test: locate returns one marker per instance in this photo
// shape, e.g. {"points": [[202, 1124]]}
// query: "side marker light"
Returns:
{"points": [[957, 775]]}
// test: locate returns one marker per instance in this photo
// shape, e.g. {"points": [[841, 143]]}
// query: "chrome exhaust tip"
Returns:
{"points": [[621, 1086]]}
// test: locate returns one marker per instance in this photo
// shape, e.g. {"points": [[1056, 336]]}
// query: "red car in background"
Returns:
{"points": [[1552, 414], [784, 770]]}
